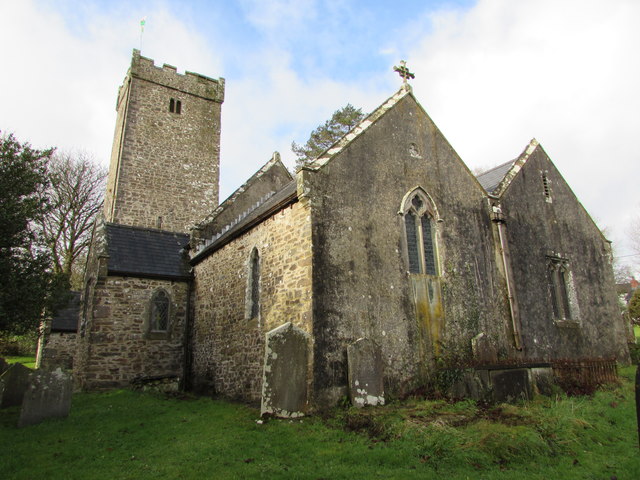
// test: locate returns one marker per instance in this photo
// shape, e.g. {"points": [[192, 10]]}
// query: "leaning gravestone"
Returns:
{"points": [[48, 395], [3, 365], [366, 379], [13, 383], [284, 381]]}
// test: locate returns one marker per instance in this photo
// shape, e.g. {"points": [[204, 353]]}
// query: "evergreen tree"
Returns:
{"points": [[26, 279], [326, 135]]}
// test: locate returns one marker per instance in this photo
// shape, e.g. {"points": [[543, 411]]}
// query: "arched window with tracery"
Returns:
{"points": [[160, 305], [420, 232]]}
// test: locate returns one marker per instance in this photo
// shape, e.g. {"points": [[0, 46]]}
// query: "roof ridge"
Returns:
{"points": [[246, 217], [515, 168], [275, 158], [149, 229]]}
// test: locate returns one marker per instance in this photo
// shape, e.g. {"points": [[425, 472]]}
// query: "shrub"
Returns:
{"points": [[18, 345]]}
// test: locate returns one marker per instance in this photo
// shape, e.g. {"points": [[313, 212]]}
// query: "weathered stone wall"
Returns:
{"points": [[164, 166], [58, 350], [115, 345], [536, 228], [95, 269], [228, 347], [362, 287]]}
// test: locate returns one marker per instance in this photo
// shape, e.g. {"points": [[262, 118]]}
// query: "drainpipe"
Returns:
{"points": [[499, 219]]}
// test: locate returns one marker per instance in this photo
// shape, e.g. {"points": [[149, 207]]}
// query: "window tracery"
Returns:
{"points": [[420, 233]]}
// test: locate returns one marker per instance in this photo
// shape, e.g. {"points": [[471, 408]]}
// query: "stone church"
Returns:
{"points": [[386, 236]]}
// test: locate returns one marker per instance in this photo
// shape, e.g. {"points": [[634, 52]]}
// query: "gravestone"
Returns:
{"points": [[284, 381], [484, 353], [366, 375], [48, 396], [3, 366], [13, 383], [511, 384]]}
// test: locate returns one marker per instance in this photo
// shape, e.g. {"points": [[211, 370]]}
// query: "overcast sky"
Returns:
{"points": [[491, 73]]}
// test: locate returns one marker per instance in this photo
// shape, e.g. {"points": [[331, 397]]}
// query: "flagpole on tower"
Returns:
{"points": [[143, 20]]}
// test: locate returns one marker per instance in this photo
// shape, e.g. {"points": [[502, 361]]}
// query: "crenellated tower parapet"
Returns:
{"points": [[191, 83], [165, 159]]}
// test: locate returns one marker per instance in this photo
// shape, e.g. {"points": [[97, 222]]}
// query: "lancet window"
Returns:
{"points": [[420, 233]]}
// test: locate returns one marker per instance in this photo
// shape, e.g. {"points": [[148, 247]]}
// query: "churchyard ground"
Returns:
{"points": [[129, 435], [26, 361]]}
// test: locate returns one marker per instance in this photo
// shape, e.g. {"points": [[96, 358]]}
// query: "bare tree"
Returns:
{"points": [[76, 196], [633, 234]]}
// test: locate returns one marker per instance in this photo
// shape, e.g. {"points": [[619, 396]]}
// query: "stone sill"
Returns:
{"points": [[566, 323], [158, 335]]}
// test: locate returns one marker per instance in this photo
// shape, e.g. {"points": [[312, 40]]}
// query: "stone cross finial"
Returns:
{"points": [[404, 72]]}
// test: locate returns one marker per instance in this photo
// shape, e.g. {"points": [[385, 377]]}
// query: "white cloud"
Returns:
{"points": [[61, 78], [274, 15], [563, 72], [265, 111], [491, 76]]}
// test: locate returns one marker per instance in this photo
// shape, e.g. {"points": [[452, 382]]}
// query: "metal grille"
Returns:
{"points": [[584, 376]]}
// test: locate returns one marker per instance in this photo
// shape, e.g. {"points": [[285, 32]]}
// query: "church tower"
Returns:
{"points": [[165, 159]]}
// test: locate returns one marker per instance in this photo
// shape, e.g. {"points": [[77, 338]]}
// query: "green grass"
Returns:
{"points": [[128, 435], [636, 331], [26, 361]]}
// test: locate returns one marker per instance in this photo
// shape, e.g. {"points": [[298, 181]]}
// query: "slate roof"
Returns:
{"points": [[497, 180], [492, 178], [145, 252], [66, 319]]}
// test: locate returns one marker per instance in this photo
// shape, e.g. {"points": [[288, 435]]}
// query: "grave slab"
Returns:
{"points": [[511, 384]]}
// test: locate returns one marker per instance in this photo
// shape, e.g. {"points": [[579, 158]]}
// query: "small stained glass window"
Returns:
{"points": [[160, 312]]}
